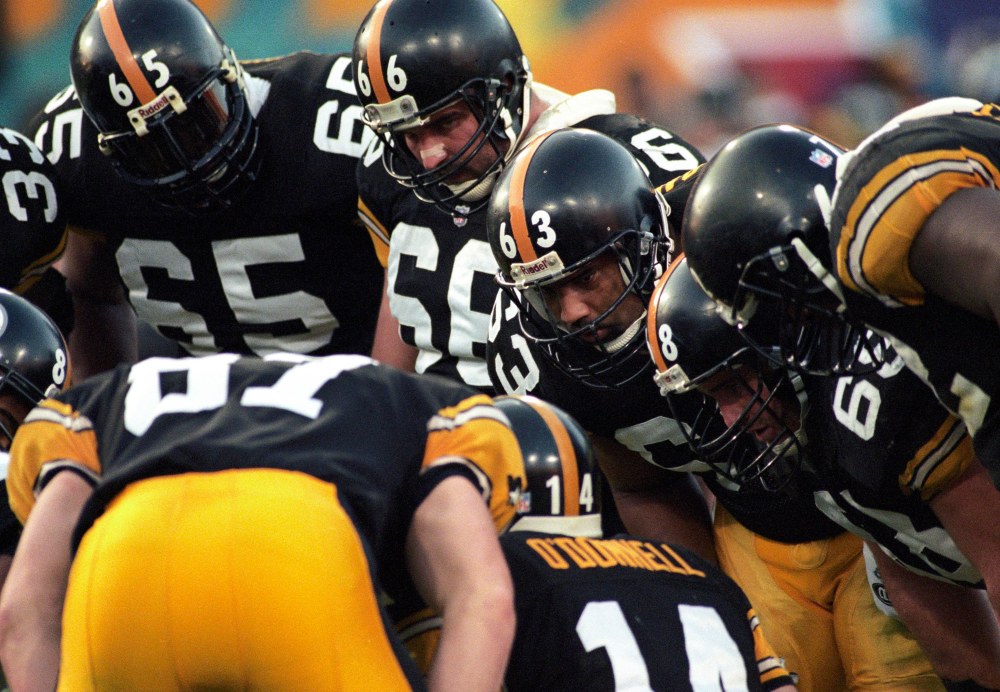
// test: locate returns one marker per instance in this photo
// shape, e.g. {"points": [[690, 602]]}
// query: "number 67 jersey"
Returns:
{"points": [[286, 268]]}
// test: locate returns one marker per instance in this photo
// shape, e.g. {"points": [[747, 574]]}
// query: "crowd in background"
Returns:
{"points": [[870, 60]]}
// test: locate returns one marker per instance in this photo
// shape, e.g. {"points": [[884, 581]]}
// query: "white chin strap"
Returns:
{"points": [[477, 192], [484, 187], [622, 340]]}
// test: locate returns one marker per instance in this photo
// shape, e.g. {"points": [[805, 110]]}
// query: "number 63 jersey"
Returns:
{"points": [[626, 613], [287, 268]]}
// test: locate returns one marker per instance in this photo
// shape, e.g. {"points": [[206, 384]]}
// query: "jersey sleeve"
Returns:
{"points": [[370, 192], [53, 438], [474, 439], [772, 671], [940, 461]]}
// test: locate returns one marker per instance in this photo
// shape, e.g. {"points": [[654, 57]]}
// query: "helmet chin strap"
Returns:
{"points": [[477, 192], [623, 339]]}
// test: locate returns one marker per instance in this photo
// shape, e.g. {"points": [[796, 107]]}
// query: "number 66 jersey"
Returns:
{"points": [[286, 268]]}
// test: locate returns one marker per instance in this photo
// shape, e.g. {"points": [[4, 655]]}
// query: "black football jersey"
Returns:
{"points": [[881, 446], [288, 267], [32, 212], [625, 613], [441, 269], [639, 418], [167, 416], [893, 183]]}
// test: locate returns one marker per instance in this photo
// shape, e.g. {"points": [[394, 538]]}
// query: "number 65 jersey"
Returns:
{"points": [[287, 267], [626, 613]]}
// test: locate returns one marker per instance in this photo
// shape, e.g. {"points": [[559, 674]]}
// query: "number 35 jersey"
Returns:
{"points": [[625, 613], [287, 268], [440, 268]]}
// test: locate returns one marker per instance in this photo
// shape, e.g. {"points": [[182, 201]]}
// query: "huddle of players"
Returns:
{"points": [[591, 218]]}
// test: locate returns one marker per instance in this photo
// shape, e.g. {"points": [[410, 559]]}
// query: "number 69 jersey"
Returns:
{"points": [[895, 180], [625, 613], [167, 416], [287, 268], [881, 447], [440, 268]]}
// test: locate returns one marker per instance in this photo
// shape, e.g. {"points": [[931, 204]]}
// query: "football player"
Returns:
{"points": [[252, 509], [580, 237], [911, 235], [449, 115], [213, 197], [896, 463], [33, 227], [598, 614], [33, 234]]}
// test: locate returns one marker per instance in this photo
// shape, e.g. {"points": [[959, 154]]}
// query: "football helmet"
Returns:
{"points": [[755, 234], [568, 198], [414, 57], [695, 351], [34, 359], [563, 493], [169, 100]]}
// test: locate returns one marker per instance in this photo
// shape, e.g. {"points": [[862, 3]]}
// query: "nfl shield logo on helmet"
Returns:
{"points": [[821, 158]]}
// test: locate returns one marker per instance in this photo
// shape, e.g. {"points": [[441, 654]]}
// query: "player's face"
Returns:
{"points": [[582, 298], [743, 398], [445, 134]]}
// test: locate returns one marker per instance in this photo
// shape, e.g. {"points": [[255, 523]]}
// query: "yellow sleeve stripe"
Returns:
{"points": [[379, 234], [939, 461], [674, 182], [769, 665], [888, 212]]}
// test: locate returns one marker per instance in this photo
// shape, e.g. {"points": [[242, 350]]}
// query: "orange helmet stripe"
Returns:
{"points": [[651, 331], [567, 459], [515, 200], [123, 54], [374, 54]]}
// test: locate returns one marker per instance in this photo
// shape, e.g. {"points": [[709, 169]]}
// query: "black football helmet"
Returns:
{"points": [[34, 359], [569, 197], [756, 237], [693, 347], [32, 223], [414, 57], [169, 100], [563, 494]]}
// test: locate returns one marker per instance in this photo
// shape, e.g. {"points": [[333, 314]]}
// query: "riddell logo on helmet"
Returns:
{"points": [[537, 267], [150, 109]]}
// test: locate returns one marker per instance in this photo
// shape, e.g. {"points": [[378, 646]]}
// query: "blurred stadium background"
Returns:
{"points": [[705, 68]]}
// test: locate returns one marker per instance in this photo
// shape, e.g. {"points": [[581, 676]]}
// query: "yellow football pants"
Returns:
{"points": [[818, 612], [237, 580]]}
